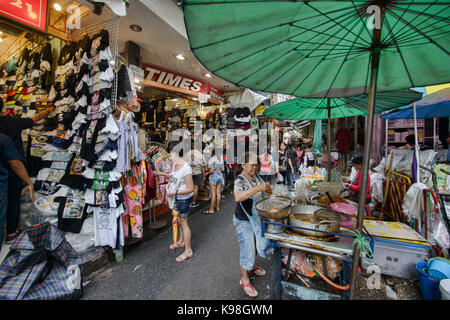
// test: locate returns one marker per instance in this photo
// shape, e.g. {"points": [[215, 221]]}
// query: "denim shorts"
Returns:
{"points": [[246, 240], [182, 207], [216, 178]]}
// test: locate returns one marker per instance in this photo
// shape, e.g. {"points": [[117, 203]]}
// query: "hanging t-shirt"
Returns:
{"points": [[181, 174], [105, 225]]}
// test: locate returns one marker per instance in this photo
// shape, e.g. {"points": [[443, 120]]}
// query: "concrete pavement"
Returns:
{"points": [[151, 272]]}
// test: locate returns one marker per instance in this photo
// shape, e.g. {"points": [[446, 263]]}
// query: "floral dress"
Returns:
{"points": [[135, 183]]}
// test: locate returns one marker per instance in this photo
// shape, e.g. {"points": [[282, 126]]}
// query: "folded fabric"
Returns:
{"points": [[57, 156], [96, 174], [111, 128], [242, 119], [95, 108], [51, 175]]}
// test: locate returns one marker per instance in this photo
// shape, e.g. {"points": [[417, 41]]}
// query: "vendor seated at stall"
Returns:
{"points": [[411, 142], [355, 185], [335, 174]]}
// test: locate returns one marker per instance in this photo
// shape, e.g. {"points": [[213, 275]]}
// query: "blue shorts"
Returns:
{"points": [[246, 240], [215, 179], [182, 207]]}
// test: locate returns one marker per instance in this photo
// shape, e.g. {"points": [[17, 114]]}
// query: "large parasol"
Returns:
{"points": [[324, 49]]}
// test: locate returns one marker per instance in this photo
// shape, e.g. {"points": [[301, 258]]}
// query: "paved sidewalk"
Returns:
{"points": [[151, 272]]}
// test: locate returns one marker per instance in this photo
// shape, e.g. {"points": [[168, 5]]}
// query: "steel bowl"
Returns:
{"points": [[274, 207]]}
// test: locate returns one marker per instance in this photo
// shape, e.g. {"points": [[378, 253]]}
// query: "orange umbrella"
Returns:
{"points": [[175, 228]]}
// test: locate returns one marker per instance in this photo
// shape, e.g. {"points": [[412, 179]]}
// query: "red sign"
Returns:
{"points": [[180, 81], [30, 12]]}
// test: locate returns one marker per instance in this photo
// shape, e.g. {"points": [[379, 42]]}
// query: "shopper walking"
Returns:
{"points": [[282, 165], [215, 167], [309, 156], [181, 190], [10, 160], [12, 127], [197, 162], [266, 167], [291, 154], [249, 188]]}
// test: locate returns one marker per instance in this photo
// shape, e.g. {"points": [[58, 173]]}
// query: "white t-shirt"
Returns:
{"points": [[105, 226], [216, 164], [181, 174]]}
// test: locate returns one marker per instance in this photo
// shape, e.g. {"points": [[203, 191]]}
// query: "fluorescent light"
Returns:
{"points": [[180, 57], [208, 75], [1, 39], [57, 6]]}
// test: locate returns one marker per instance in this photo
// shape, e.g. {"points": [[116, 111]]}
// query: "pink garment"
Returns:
{"points": [[266, 162], [134, 192]]}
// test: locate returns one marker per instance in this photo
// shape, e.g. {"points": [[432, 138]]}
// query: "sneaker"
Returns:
{"points": [[193, 205], [11, 238]]}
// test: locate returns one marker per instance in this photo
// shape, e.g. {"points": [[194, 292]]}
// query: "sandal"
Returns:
{"points": [[258, 271], [248, 285], [184, 257], [208, 211], [179, 245]]}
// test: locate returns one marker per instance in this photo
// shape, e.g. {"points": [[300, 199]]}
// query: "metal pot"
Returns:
{"points": [[311, 222], [281, 211], [271, 228]]}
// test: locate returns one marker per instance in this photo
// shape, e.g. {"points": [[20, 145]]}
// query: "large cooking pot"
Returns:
{"points": [[303, 216]]}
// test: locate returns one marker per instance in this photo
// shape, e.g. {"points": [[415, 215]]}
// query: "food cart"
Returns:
{"points": [[308, 233]]}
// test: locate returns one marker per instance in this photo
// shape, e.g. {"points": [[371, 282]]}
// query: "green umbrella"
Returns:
{"points": [[317, 142], [324, 49], [320, 48], [333, 108], [317, 108]]}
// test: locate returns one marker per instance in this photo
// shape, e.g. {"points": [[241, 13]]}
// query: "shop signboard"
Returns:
{"points": [[29, 12], [173, 79]]}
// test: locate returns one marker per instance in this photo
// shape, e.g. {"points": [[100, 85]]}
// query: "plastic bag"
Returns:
{"points": [[376, 186], [280, 178]]}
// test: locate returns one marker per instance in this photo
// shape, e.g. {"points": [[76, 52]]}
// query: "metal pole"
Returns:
{"points": [[367, 147], [329, 140], [434, 135], [416, 147], [386, 147]]}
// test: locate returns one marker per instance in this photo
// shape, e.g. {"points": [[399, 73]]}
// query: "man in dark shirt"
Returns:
{"points": [[292, 163], [9, 160], [12, 127]]}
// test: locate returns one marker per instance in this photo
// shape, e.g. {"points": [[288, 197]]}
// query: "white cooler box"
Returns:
{"points": [[397, 258]]}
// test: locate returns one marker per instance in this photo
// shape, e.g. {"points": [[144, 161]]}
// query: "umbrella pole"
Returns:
{"points": [[434, 135], [329, 140], [416, 147], [386, 141], [375, 61]]}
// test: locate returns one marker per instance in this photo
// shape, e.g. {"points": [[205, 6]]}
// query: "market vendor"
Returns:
{"points": [[249, 188], [10, 160], [355, 185], [12, 127], [335, 174]]}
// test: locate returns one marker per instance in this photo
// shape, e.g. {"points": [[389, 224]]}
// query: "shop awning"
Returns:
{"points": [[435, 105]]}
